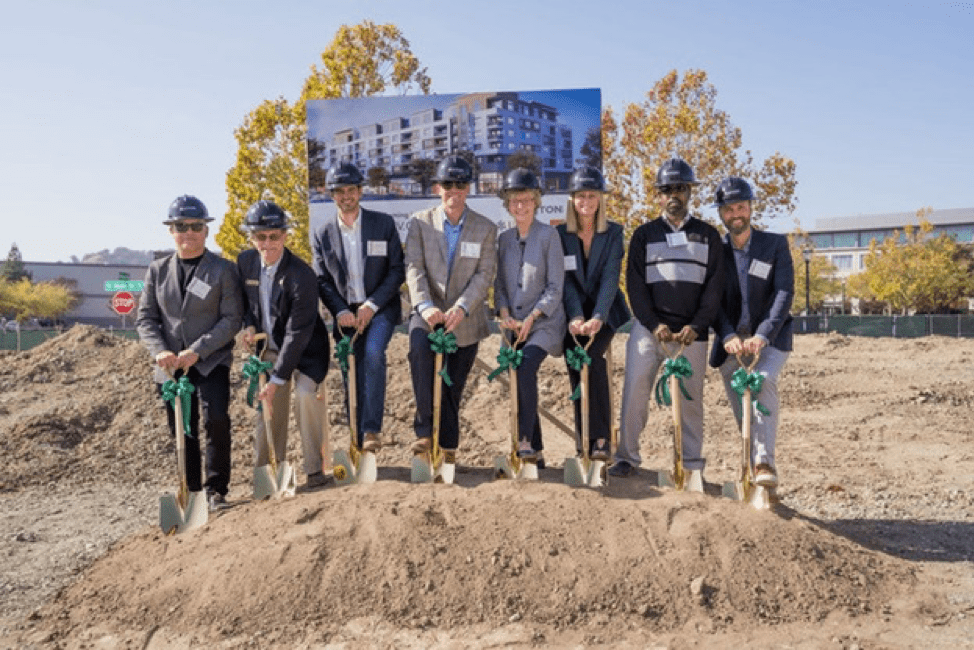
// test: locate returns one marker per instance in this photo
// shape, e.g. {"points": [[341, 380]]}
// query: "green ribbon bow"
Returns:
{"points": [[679, 367], [743, 380], [182, 389], [577, 358], [342, 349], [506, 358], [251, 370], [443, 342]]}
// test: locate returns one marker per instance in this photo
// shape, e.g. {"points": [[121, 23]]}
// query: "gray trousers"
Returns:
{"points": [[644, 356], [311, 415], [764, 428]]}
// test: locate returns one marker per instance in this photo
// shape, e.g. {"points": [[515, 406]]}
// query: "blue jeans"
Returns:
{"points": [[370, 374]]}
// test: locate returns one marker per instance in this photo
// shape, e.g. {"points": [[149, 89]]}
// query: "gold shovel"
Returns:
{"points": [[512, 466], [276, 479], [429, 467], [580, 472], [355, 465], [744, 489], [675, 479], [185, 510]]}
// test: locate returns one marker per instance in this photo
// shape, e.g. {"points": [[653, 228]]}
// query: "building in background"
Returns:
{"points": [[89, 281]]}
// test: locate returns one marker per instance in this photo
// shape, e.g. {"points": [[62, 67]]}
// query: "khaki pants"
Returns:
{"points": [[311, 416]]}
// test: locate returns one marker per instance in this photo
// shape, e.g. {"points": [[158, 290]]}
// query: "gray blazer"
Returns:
{"points": [[432, 281], [533, 280], [204, 321]]}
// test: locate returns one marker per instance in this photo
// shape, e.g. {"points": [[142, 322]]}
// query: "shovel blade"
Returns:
{"points": [[575, 474], [175, 519], [528, 472], [368, 469], [502, 467], [596, 474], [269, 484], [343, 469], [286, 480], [760, 498], [446, 473], [664, 479], [734, 490], [421, 470]]}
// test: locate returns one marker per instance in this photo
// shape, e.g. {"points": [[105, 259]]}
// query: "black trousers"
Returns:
{"points": [[211, 399], [422, 368], [528, 421], [599, 414]]}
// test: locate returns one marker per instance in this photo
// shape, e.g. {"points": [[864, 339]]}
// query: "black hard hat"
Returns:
{"points": [[586, 178], [343, 174], [519, 179], [733, 189], [454, 169], [675, 171], [187, 207], [265, 215]]}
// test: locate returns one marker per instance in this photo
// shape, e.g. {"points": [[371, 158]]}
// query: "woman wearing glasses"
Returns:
{"points": [[528, 297], [594, 304]]}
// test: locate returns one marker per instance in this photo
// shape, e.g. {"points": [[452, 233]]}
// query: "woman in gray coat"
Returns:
{"points": [[528, 296]]}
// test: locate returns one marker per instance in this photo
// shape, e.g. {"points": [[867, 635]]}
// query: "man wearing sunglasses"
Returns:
{"points": [[359, 262], [189, 312], [281, 300], [451, 256], [674, 283]]}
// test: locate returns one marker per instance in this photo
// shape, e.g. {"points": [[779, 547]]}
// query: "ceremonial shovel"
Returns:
{"points": [[584, 471], [744, 488], [185, 510], [276, 479], [355, 465], [511, 466]]}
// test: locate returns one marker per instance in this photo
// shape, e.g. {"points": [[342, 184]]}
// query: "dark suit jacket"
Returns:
{"points": [[383, 274], [769, 298], [297, 329], [600, 284], [204, 321]]}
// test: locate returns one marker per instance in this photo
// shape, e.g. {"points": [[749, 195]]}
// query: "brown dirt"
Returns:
{"points": [[870, 546]]}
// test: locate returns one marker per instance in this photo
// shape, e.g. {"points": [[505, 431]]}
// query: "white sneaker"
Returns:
{"points": [[765, 476], [695, 481]]}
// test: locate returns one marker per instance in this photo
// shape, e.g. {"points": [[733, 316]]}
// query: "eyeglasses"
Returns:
{"points": [[673, 189], [267, 236], [186, 227], [453, 185]]}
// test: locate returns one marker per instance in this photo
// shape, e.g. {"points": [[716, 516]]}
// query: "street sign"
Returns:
{"points": [[123, 303], [124, 285]]}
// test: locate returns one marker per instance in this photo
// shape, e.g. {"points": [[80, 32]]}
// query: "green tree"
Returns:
{"points": [[23, 300], [591, 149], [526, 159], [680, 117], [378, 178], [13, 268], [422, 170], [822, 282], [920, 271], [272, 156]]}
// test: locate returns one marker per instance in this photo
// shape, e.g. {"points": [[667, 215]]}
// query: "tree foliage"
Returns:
{"points": [[918, 272], [525, 159], [13, 268], [422, 170], [822, 283], [272, 156], [680, 117], [23, 300]]}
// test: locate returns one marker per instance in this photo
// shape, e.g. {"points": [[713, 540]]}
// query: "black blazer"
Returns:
{"points": [[383, 273], [298, 330], [769, 297], [600, 285]]}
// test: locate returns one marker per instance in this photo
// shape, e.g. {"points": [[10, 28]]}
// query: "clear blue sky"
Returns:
{"points": [[110, 109]]}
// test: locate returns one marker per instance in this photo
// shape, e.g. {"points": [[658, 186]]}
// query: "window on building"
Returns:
{"points": [[842, 262], [845, 240], [822, 241]]}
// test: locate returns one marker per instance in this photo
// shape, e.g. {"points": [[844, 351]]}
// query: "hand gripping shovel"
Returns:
{"points": [[276, 479], [584, 471], [355, 465], [185, 510], [431, 466], [668, 391], [744, 489], [512, 466]]}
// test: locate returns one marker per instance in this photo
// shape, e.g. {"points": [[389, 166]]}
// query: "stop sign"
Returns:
{"points": [[123, 302]]}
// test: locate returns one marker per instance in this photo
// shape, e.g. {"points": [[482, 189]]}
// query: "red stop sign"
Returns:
{"points": [[123, 302]]}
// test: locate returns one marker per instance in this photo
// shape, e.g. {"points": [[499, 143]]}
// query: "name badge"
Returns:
{"points": [[571, 264], [675, 239], [469, 249], [198, 288], [759, 269], [253, 283], [377, 248]]}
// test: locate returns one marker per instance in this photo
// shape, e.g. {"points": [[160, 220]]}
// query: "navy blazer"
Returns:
{"points": [[769, 294], [383, 273], [600, 283], [297, 328]]}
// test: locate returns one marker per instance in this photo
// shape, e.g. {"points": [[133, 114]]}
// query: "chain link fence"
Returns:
{"points": [[903, 327]]}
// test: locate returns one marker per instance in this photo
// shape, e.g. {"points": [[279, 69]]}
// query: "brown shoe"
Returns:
{"points": [[318, 480], [765, 476], [450, 456], [421, 446], [372, 443]]}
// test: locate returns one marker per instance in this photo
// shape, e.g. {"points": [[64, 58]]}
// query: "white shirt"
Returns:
{"points": [[352, 243]]}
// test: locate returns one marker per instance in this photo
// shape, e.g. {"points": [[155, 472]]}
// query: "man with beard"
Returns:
{"points": [[754, 317], [674, 284]]}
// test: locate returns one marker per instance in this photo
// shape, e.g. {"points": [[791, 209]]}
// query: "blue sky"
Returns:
{"points": [[112, 109]]}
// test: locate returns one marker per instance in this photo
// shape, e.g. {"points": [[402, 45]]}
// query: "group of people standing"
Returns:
{"points": [[553, 289]]}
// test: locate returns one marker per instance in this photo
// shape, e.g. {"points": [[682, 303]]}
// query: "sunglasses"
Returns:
{"points": [[673, 189], [267, 236], [453, 185], [186, 227]]}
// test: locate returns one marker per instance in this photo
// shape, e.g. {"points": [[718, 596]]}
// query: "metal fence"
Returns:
{"points": [[957, 325], [34, 337]]}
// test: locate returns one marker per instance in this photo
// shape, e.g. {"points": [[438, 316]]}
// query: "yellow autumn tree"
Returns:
{"points": [[23, 300], [918, 271], [821, 273], [680, 117], [272, 158]]}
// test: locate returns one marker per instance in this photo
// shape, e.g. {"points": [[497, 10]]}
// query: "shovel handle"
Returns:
{"points": [[182, 498]]}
